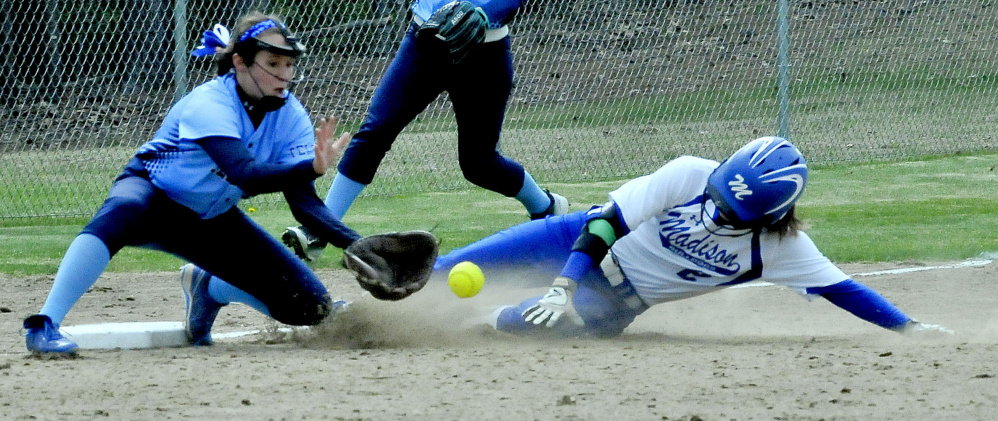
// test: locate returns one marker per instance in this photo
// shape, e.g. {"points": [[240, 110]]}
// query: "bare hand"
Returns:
{"points": [[328, 151]]}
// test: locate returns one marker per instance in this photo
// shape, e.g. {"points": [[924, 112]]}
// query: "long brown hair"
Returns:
{"points": [[789, 224], [244, 23]]}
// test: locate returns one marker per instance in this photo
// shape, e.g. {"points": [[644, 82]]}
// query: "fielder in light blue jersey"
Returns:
{"points": [[474, 65], [238, 135], [692, 227]]}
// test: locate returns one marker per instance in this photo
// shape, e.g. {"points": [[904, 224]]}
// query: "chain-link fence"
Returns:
{"points": [[604, 90]]}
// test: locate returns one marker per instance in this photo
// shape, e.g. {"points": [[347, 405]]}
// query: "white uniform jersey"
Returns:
{"points": [[671, 253]]}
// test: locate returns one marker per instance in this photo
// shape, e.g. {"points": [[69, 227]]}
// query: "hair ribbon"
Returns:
{"points": [[212, 41]]}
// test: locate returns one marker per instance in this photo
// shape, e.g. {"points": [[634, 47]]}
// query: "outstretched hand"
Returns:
{"points": [[327, 151], [917, 328], [556, 303]]}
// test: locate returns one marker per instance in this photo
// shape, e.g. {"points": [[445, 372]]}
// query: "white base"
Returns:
{"points": [[132, 335], [137, 335]]}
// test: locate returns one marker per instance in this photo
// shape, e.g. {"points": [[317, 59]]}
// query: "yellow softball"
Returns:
{"points": [[466, 279]]}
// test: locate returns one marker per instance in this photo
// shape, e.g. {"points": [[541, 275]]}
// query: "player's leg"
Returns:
{"points": [[411, 82], [541, 245], [480, 108], [260, 272], [116, 224]]}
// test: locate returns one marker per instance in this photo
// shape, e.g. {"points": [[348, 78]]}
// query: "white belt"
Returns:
{"points": [[611, 270], [490, 34], [620, 283]]}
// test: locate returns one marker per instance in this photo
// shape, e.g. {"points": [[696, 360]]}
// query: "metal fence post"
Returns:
{"points": [[179, 49], [783, 61]]}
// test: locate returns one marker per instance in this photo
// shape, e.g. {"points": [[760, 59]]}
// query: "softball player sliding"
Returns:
{"points": [[479, 86], [692, 227], [238, 135]]}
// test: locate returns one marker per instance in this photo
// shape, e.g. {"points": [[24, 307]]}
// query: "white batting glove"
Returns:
{"points": [[917, 328], [556, 303]]}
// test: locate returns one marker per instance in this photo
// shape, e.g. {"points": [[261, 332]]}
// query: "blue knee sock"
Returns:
{"points": [[224, 293], [341, 194], [531, 195], [85, 260]]}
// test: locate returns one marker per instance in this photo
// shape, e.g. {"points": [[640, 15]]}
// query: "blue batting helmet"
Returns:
{"points": [[758, 184]]}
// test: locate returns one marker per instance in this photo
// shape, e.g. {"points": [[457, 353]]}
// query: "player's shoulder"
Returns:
{"points": [[218, 91], [694, 163], [795, 242], [688, 166], [294, 105], [293, 116]]}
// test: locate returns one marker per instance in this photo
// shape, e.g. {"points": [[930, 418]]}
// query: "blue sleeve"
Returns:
{"points": [[577, 266], [309, 210], [253, 177], [501, 12], [863, 302]]}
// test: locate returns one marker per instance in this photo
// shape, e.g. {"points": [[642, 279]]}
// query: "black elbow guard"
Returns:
{"points": [[592, 245], [599, 234]]}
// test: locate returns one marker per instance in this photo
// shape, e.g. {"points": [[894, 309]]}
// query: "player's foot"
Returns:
{"points": [[201, 308], [338, 307], [305, 245], [43, 337], [488, 320], [559, 206]]}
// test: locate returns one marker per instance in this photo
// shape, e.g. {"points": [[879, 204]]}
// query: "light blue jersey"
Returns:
{"points": [[188, 175]]}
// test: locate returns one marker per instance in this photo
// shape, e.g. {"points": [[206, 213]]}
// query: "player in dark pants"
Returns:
{"points": [[479, 86], [238, 135]]}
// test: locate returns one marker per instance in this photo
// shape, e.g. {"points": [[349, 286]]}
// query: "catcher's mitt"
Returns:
{"points": [[459, 26], [393, 265]]}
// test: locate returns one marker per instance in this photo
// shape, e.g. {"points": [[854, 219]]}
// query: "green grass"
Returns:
{"points": [[936, 209], [931, 210], [581, 141]]}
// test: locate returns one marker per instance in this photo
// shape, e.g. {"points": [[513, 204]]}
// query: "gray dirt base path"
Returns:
{"points": [[743, 354]]}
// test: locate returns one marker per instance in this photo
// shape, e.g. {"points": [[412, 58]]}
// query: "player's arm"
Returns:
{"points": [[603, 227], [869, 305], [863, 302], [241, 168], [308, 209]]}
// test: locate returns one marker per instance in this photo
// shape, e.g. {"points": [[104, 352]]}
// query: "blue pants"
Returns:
{"points": [[542, 246], [229, 246], [479, 88]]}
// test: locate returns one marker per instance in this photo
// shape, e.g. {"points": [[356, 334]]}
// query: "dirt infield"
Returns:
{"points": [[759, 353]]}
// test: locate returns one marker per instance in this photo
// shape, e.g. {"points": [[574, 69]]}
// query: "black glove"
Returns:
{"points": [[459, 26], [393, 265]]}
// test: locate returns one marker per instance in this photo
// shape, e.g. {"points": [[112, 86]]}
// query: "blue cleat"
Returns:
{"points": [[340, 306], [43, 338], [201, 308]]}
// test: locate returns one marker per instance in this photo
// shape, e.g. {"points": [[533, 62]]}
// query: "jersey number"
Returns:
{"points": [[692, 274]]}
